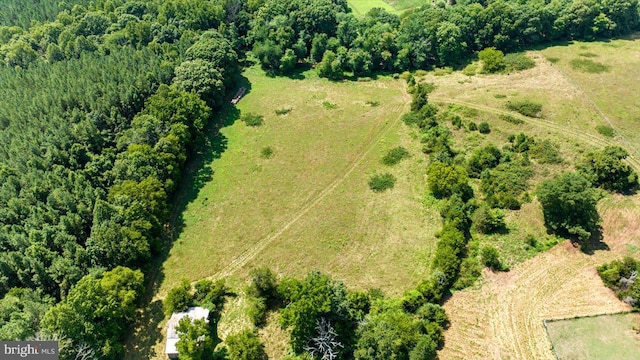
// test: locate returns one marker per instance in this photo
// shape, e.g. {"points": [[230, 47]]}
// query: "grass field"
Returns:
{"points": [[308, 206], [361, 7], [607, 337]]}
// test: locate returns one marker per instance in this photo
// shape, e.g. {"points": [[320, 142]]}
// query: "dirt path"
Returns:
{"points": [[585, 137]]}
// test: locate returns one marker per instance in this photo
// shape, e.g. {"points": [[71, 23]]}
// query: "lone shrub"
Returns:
{"points": [[283, 111], [492, 60], [525, 107], [484, 128], [253, 119], [473, 126], [395, 155], [470, 70], [491, 258], [382, 182], [266, 152]]}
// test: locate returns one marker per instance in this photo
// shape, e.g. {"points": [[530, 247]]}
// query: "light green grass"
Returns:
{"points": [[614, 92], [602, 337], [361, 7], [311, 197]]}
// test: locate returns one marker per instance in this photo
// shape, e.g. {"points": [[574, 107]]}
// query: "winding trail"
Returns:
{"points": [[585, 137]]}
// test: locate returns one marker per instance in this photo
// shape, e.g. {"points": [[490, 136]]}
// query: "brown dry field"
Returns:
{"points": [[501, 317]]}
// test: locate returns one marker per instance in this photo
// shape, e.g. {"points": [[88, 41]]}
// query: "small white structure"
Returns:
{"points": [[195, 313]]}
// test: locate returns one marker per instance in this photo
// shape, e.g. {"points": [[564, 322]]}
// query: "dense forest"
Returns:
{"points": [[103, 102]]}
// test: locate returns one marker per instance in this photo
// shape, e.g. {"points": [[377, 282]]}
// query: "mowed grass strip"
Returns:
{"points": [[312, 193], [601, 337]]}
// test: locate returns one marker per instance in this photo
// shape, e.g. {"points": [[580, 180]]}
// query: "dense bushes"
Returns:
{"points": [[622, 277], [525, 107], [382, 182], [607, 170]]}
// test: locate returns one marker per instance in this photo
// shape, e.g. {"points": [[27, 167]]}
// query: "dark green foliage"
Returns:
{"points": [[179, 299], [411, 118], [606, 169], [491, 258], [606, 131], [518, 62], [484, 128], [203, 78], [395, 155], [245, 345], [252, 119], [525, 107], [511, 119], [487, 157], [437, 139], [622, 277], [263, 284], [394, 334], [257, 311], [569, 205], [210, 295], [487, 220], [472, 126], [97, 310], [310, 300], [382, 182], [546, 152], [445, 180], [266, 152], [492, 60], [195, 339], [503, 185]]}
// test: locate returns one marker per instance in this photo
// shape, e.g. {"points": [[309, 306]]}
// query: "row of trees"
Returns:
{"points": [[93, 145], [323, 32], [328, 321]]}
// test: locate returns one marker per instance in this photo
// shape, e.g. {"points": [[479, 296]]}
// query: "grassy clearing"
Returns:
{"points": [[361, 7], [600, 337], [312, 192], [613, 93]]}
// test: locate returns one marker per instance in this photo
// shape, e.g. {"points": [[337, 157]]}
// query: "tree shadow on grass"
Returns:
{"points": [[197, 172], [594, 243]]}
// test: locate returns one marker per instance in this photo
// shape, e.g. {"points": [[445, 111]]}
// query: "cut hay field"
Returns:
{"points": [[607, 337], [501, 317]]}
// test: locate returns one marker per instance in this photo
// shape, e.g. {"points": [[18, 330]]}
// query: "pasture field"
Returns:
{"points": [[402, 5], [308, 206], [601, 337]]}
